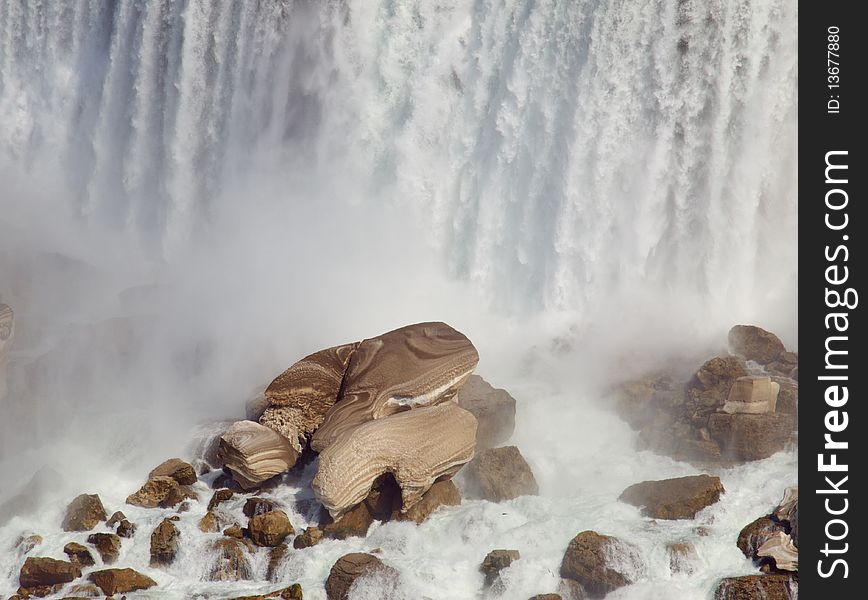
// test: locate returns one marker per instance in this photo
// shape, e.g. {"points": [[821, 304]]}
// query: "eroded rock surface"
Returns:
{"points": [[255, 453]]}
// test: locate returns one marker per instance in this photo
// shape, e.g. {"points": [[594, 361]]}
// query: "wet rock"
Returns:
{"points": [[442, 493], [709, 388], [230, 562], [269, 529], [679, 498], [164, 543], [683, 558], [218, 497], [354, 523], [757, 533], [499, 474], [546, 597], [752, 587], [307, 538], [745, 437], [292, 592], [348, 569], [115, 519], [79, 555], [258, 506], [84, 590], [107, 544], [494, 562], [177, 469], [493, 408], [756, 344], [593, 561], [40, 572], [126, 529], [781, 551], [212, 522], [255, 453], [162, 492], [84, 513], [120, 581], [275, 559], [27, 543]]}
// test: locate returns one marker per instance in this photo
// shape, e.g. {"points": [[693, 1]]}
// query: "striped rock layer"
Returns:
{"points": [[418, 447], [6, 327], [752, 395], [415, 366], [255, 453], [297, 401]]}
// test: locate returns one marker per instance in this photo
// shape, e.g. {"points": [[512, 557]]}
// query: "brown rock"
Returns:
{"points": [[116, 518], [750, 437], [235, 531], [495, 561], [307, 538], [162, 492], [27, 543], [499, 474], [212, 522], [546, 597], [79, 555], [709, 388], [84, 513], [683, 557], [107, 544], [177, 469], [757, 533], [120, 581], [218, 497], [258, 506], [293, 592], [230, 561], [754, 343], [275, 559], [494, 410], [587, 560], [752, 587], [679, 498], [45, 572], [442, 493], [164, 543], [126, 529], [269, 529], [348, 569], [85, 590], [353, 523]]}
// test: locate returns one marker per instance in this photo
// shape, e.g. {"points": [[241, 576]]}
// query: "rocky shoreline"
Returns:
{"points": [[398, 427]]}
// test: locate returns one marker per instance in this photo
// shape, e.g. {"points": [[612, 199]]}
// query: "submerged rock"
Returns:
{"points": [[594, 560], [756, 344], [496, 561], [414, 366], [683, 558], [678, 498], [164, 543], [120, 581], [418, 447], [230, 562], [351, 567], [254, 453], [84, 513], [751, 587], [493, 408], [499, 474]]}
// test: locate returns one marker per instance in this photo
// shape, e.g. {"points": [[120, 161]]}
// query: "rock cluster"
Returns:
{"points": [[735, 408]]}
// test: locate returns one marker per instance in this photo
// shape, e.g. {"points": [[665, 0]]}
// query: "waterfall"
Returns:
{"points": [[558, 151]]}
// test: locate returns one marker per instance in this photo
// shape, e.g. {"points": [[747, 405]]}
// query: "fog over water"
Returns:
{"points": [[195, 194]]}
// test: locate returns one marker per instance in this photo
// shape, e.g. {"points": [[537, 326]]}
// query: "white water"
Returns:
{"points": [[619, 176]]}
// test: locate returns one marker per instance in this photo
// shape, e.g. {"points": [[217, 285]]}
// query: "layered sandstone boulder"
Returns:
{"points": [[755, 534], [499, 474], [752, 395], [756, 344], [84, 513], [679, 498], [255, 453], [597, 563], [781, 551], [418, 447], [771, 541], [415, 366], [296, 402], [493, 408]]}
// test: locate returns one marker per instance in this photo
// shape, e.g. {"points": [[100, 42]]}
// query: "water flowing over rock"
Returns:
{"points": [[299, 398], [230, 561], [270, 528], [414, 366], [756, 344], [679, 498], [683, 558], [751, 587], [744, 437], [493, 408], [418, 447], [121, 581], [755, 534], [499, 474], [257, 506], [496, 561], [108, 545], [348, 569], [590, 559], [164, 544], [177, 469], [254, 453], [84, 513], [7, 331]]}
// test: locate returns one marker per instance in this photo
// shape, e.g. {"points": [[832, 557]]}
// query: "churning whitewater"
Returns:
{"points": [[196, 194]]}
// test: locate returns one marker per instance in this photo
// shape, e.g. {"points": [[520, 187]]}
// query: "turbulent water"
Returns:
{"points": [[194, 194]]}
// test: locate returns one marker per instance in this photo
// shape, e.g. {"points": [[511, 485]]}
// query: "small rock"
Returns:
{"points": [[589, 561], [751, 587], [218, 497], [177, 469], [164, 544], [79, 555], [354, 523], [126, 529], [293, 592], [499, 474], [120, 581], [679, 498], [84, 513], [348, 569], [212, 522], [162, 492], [107, 544], [495, 561], [307, 538], [85, 590], [269, 529], [116, 518], [234, 531], [257, 506]]}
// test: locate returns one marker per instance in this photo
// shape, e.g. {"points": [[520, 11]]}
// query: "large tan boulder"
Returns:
{"points": [[158, 492], [255, 453], [39, 572], [120, 581], [351, 567], [177, 469], [493, 408], [296, 402], [415, 366], [499, 474], [418, 447], [756, 344], [596, 562], [679, 498], [84, 513], [751, 587]]}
